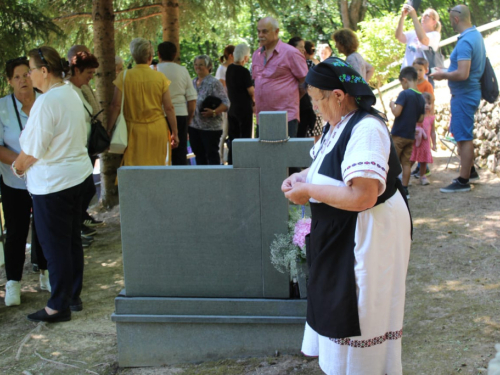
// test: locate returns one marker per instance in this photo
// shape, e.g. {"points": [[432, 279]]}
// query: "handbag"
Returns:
{"points": [[211, 102], [434, 58], [99, 139], [119, 139], [489, 83]]}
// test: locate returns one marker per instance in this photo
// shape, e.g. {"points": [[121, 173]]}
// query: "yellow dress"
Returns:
{"points": [[148, 133]]}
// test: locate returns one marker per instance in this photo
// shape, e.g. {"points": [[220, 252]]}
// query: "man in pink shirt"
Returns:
{"points": [[279, 71]]}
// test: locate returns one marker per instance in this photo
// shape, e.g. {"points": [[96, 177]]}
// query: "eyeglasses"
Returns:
{"points": [[453, 10], [22, 58]]}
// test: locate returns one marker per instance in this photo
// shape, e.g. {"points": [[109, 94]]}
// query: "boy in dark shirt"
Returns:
{"points": [[408, 109]]}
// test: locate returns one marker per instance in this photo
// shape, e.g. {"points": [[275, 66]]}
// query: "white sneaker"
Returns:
{"points": [[45, 282], [12, 293]]}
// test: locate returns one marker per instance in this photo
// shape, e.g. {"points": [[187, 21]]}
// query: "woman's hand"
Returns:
{"points": [[299, 193], [410, 11], [174, 140], [404, 11], [208, 112], [288, 184]]}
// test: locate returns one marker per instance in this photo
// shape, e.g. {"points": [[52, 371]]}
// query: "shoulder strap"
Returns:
{"points": [[17, 113], [123, 90]]}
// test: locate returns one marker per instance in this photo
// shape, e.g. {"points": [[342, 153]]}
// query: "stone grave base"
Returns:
{"points": [[156, 331]]}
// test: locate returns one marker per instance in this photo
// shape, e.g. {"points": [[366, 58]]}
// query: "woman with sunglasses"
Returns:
{"points": [[426, 33], [17, 204], [55, 163]]}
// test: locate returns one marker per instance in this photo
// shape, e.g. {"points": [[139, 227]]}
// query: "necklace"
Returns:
{"points": [[55, 84]]}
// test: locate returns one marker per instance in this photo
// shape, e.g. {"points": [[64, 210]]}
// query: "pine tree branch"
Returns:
{"points": [[139, 18], [88, 15]]}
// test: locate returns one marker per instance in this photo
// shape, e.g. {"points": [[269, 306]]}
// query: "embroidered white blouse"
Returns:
{"points": [[366, 155]]}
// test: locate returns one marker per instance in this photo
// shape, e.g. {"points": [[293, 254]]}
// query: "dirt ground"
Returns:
{"points": [[452, 315]]}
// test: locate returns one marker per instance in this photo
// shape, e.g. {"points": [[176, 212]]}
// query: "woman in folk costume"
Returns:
{"points": [[359, 245]]}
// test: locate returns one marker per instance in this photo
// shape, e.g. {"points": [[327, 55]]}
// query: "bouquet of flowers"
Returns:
{"points": [[288, 249]]}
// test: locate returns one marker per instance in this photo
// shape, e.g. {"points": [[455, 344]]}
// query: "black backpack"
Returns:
{"points": [[489, 83]]}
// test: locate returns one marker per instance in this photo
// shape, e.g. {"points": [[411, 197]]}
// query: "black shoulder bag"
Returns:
{"points": [[489, 83], [99, 139]]}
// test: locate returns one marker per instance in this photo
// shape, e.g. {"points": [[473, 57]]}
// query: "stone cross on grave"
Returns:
{"points": [[273, 153]]}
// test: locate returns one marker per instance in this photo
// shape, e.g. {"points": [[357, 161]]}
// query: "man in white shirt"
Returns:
{"points": [[182, 93]]}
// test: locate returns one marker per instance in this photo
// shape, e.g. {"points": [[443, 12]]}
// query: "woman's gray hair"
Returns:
{"points": [[240, 51], [206, 59], [141, 50]]}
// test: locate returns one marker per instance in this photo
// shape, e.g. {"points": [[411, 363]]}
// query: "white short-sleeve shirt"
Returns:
{"points": [[366, 154], [181, 87], [414, 48], [56, 135]]}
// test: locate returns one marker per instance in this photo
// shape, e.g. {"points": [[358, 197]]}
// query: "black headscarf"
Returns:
{"points": [[334, 73]]}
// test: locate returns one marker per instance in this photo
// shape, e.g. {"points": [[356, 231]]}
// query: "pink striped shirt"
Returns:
{"points": [[277, 80]]}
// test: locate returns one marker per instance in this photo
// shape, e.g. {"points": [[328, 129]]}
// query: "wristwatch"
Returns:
{"points": [[214, 113]]}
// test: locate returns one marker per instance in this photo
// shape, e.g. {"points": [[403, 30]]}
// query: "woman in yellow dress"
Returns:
{"points": [[147, 101]]}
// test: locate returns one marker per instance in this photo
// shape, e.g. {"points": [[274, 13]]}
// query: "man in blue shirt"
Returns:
{"points": [[464, 74]]}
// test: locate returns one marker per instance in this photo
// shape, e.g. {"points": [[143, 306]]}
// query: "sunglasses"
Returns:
{"points": [[17, 59], [453, 10]]}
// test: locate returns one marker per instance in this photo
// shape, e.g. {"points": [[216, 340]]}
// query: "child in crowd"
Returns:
{"points": [[408, 109], [425, 132], [421, 65]]}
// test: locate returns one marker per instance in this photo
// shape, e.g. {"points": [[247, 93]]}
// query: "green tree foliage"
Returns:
{"points": [[22, 27], [380, 48]]}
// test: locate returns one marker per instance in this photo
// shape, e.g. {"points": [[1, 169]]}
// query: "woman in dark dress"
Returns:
{"points": [[359, 245], [240, 90], [307, 115]]}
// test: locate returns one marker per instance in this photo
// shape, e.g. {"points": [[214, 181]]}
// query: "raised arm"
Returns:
{"points": [[421, 35], [401, 26]]}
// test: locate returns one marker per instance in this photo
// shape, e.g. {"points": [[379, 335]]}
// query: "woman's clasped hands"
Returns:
{"points": [[296, 189]]}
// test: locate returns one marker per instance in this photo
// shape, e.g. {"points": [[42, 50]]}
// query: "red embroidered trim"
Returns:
{"points": [[367, 163], [395, 335]]}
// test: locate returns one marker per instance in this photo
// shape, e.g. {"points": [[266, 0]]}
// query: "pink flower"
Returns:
{"points": [[302, 229]]}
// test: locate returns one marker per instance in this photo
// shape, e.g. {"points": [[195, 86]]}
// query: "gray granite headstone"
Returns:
{"points": [[206, 231], [199, 283]]}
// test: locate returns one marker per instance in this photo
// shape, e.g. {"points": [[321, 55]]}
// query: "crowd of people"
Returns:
{"points": [[359, 205]]}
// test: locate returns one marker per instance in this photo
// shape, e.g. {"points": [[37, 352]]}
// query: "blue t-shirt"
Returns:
{"points": [[413, 104], [470, 46]]}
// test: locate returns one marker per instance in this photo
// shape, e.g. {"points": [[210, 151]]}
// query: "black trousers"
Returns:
{"points": [[58, 223], [205, 145], [17, 205], [239, 126], [88, 191], [179, 153]]}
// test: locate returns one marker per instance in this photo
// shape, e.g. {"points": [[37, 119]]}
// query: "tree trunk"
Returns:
{"points": [[104, 49], [170, 24], [353, 13], [344, 13]]}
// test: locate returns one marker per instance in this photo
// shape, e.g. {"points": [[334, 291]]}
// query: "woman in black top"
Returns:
{"points": [[240, 90]]}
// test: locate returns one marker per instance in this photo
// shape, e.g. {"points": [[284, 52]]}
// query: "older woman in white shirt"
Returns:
{"points": [[17, 204], [55, 162]]}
